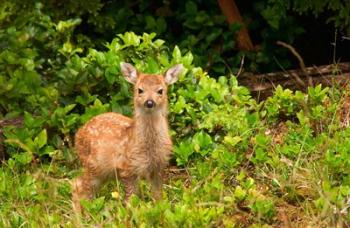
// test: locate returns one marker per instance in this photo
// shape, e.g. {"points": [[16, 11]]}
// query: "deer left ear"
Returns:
{"points": [[129, 72], [172, 74]]}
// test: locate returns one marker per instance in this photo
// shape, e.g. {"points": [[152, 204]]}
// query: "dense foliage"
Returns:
{"points": [[197, 26], [239, 162]]}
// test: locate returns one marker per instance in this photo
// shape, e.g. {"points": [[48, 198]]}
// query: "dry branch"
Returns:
{"points": [[326, 75], [301, 64]]}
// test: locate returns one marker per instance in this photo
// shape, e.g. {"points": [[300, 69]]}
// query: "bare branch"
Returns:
{"points": [[301, 64]]}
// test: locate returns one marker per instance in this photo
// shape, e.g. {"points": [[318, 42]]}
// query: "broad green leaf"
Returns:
{"points": [[41, 139], [176, 55], [232, 140]]}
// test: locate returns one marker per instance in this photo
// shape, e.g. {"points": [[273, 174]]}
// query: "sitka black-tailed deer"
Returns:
{"points": [[111, 145]]}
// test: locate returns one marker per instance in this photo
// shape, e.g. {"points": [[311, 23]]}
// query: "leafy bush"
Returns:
{"points": [[63, 88], [338, 10]]}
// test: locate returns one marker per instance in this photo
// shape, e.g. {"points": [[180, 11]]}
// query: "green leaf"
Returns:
{"points": [[183, 151], [239, 193], [23, 158], [158, 43], [191, 8], [179, 106], [41, 139], [94, 206], [152, 65], [28, 119], [64, 25], [111, 74], [202, 140], [150, 22], [176, 55], [187, 59], [232, 141], [130, 39]]}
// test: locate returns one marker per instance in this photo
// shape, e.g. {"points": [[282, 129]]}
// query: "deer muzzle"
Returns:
{"points": [[150, 104]]}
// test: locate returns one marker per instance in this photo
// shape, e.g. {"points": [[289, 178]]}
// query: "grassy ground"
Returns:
{"points": [[291, 175]]}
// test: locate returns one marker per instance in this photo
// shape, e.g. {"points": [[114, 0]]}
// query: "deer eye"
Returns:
{"points": [[140, 91], [160, 92]]}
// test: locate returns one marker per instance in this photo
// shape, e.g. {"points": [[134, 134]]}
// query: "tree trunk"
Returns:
{"points": [[231, 12]]}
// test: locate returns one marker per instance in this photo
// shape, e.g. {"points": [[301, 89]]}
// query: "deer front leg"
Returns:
{"points": [[129, 185], [157, 185]]}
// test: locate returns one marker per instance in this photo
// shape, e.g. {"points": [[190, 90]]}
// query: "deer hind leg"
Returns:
{"points": [[84, 187]]}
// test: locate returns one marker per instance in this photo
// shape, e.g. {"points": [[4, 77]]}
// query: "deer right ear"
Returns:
{"points": [[173, 73], [129, 72]]}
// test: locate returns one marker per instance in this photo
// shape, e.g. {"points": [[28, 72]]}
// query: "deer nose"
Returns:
{"points": [[150, 104]]}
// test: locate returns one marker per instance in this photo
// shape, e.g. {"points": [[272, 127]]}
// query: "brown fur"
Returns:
{"points": [[111, 145]]}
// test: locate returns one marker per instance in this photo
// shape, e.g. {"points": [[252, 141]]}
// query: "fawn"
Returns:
{"points": [[111, 145]]}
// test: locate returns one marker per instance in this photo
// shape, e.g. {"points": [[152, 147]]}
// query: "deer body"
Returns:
{"points": [[111, 145]]}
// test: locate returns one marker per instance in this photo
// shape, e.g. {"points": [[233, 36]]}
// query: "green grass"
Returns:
{"points": [[300, 190]]}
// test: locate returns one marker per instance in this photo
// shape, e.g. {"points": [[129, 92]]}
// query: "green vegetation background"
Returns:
{"points": [[238, 162]]}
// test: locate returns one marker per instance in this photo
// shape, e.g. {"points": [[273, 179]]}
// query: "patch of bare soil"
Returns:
{"points": [[290, 216], [278, 133], [175, 173]]}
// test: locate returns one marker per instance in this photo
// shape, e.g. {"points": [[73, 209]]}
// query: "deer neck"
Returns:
{"points": [[150, 128], [152, 143]]}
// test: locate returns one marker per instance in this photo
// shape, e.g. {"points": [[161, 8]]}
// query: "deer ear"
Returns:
{"points": [[129, 72], [173, 73]]}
